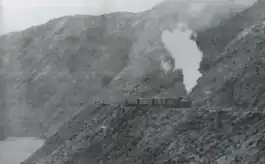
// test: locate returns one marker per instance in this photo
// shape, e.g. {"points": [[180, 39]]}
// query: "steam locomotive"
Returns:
{"points": [[172, 102]]}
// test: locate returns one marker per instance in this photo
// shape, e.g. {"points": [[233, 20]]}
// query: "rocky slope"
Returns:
{"points": [[118, 134], [54, 70], [212, 41], [236, 82], [119, 59]]}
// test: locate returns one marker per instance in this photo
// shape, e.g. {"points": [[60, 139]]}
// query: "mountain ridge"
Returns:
{"points": [[62, 82]]}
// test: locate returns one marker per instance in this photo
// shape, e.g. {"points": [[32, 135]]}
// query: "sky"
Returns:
{"points": [[21, 14]]}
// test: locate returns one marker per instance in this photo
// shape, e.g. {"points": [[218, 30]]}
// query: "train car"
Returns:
{"points": [[171, 102]]}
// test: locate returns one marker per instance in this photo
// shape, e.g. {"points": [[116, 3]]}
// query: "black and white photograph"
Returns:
{"points": [[132, 82]]}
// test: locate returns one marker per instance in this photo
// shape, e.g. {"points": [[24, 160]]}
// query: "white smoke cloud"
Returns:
{"points": [[166, 66], [185, 52]]}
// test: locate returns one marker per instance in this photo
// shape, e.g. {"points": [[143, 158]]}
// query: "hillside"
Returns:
{"points": [[117, 134], [54, 70], [68, 63], [236, 79], [213, 40]]}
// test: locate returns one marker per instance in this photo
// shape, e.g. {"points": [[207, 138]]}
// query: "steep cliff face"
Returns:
{"points": [[237, 78], [212, 41], [236, 83], [56, 69]]}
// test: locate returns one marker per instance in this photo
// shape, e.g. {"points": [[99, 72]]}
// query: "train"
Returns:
{"points": [[169, 102]]}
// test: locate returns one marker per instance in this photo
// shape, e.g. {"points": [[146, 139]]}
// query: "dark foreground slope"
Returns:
{"points": [[112, 134], [155, 136], [116, 134]]}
